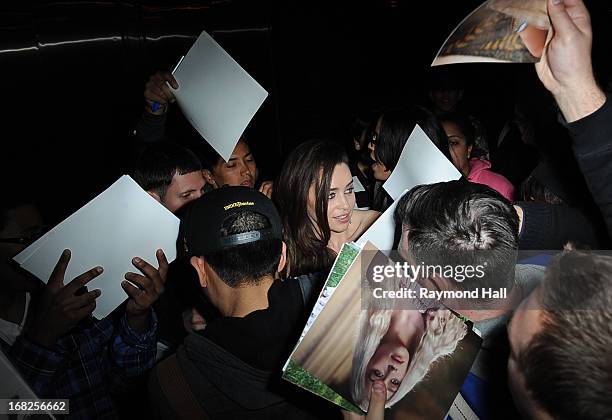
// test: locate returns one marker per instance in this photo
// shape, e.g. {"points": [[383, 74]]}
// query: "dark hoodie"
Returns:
{"points": [[223, 378]]}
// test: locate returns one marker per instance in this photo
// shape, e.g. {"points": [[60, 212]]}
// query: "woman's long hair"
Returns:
{"points": [[442, 333], [311, 163], [397, 125]]}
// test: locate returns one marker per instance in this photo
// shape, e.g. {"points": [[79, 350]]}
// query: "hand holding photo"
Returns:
{"points": [[502, 31]]}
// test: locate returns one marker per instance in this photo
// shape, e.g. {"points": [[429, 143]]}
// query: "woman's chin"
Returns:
{"points": [[337, 227]]}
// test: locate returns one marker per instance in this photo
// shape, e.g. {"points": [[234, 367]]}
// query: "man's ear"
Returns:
{"points": [[155, 196], [283, 258], [198, 263], [208, 177]]}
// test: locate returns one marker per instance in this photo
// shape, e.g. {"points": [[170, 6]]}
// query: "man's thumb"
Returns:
{"points": [[560, 20], [378, 397]]}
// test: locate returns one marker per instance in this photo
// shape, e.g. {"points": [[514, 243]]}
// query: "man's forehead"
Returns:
{"points": [[241, 149], [188, 181]]}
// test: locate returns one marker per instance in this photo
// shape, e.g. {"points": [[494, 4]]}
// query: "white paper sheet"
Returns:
{"points": [[217, 96], [421, 162], [121, 223]]}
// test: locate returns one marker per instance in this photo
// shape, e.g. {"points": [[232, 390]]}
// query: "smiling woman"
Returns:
{"points": [[315, 198]]}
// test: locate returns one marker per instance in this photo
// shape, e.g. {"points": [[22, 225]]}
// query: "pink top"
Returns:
{"points": [[481, 174]]}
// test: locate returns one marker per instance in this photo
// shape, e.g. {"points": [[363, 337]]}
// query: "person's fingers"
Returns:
{"points": [[378, 397], [133, 291], [59, 271], [78, 302], [561, 21], [158, 94], [349, 415], [575, 7], [143, 283], [542, 65], [153, 97], [83, 312], [168, 93], [166, 76], [198, 326], [173, 82], [534, 40], [196, 317], [162, 262], [577, 10], [267, 188], [81, 281], [150, 272]]}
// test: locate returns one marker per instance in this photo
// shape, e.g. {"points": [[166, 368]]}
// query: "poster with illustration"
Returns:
{"points": [[420, 349], [503, 31]]}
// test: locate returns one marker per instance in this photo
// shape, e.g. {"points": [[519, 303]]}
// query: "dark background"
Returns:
{"points": [[73, 75]]}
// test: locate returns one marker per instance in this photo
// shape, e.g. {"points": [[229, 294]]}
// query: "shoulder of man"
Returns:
{"points": [[310, 286]]}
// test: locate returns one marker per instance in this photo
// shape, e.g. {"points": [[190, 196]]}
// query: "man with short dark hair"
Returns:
{"points": [[561, 336], [461, 224], [171, 174], [233, 237], [463, 221]]}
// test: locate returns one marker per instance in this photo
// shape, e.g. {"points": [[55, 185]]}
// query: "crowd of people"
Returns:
{"points": [[207, 335]]}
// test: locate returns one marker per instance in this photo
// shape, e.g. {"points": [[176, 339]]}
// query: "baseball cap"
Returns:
{"points": [[202, 221]]}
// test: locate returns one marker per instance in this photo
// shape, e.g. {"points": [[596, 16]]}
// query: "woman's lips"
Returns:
{"points": [[344, 218], [247, 184]]}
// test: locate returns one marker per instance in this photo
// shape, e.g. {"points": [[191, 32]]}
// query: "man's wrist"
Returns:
{"points": [[580, 100], [159, 110], [139, 321]]}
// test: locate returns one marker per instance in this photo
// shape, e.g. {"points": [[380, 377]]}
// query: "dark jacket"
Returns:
{"points": [[592, 143], [551, 226], [224, 386]]}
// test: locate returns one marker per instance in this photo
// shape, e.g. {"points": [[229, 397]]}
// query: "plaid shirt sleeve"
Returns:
{"points": [[133, 353], [38, 365]]}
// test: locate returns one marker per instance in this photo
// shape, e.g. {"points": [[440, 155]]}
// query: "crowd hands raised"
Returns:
{"points": [[228, 315]]}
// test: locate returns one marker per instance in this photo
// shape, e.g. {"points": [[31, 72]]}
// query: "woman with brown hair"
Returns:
{"points": [[315, 198]]}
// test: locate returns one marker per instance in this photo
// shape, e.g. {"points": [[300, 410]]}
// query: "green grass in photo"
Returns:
{"points": [[298, 376], [345, 258]]}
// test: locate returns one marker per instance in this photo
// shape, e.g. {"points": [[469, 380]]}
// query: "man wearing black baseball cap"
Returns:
{"points": [[233, 239]]}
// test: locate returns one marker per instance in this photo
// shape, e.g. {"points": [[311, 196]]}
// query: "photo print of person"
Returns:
{"points": [[498, 31], [421, 350]]}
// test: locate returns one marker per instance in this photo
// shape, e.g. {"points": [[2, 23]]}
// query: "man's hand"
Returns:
{"points": [[565, 68], [193, 320], [376, 409], [157, 91], [60, 308], [267, 188], [150, 286]]}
